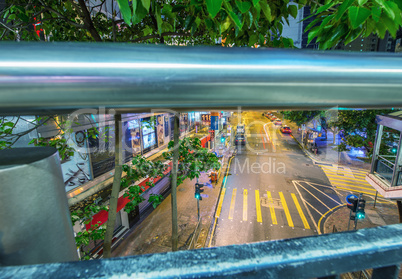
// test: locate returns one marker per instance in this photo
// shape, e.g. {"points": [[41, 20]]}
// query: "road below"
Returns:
{"points": [[272, 191]]}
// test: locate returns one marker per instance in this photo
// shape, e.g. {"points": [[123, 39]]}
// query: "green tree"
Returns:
{"points": [[236, 22], [300, 116], [359, 129]]}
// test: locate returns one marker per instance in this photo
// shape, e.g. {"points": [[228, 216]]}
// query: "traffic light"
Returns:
{"points": [[352, 205], [393, 150], [198, 191], [223, 138], [360, 214]]}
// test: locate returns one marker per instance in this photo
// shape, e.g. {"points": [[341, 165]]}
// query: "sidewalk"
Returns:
{"points": [[384, 213], [327, 152], [154, 234]]}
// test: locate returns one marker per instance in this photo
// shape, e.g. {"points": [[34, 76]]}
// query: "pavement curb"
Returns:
{"points": [[214, 220]]}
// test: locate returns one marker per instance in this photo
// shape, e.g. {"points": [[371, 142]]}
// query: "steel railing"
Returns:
{"points": [[323, 256], [61, 77]]}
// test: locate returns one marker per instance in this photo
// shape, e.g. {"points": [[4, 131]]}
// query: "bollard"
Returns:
{"points": [[35, 224]]}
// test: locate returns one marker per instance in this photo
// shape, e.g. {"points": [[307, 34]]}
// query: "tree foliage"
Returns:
{"points": [[300, 117], [235, 22], [193, 159]]}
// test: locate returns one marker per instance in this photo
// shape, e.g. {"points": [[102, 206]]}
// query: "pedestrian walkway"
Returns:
{"points": [[262, 206], [154, 234], [347, 179]]}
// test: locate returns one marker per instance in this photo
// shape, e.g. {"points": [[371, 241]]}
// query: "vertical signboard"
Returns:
{"points": [[159, 129]]}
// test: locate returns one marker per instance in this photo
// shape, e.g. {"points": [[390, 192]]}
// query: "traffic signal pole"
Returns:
{"points": [[198, 203]]}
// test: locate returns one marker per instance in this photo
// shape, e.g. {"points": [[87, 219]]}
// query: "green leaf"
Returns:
{"points": [[313, 33], [125, 10], [390, 24], [381, 29], [146, 4], [225, 25], [266, 10], [326, 7], [243, 6], [293, 10], [139, 12], [213, 7], [342, 8], [253, 40], [362, 2], [358, 15], [388, 7], [255, 2], [236, 19], [376, 13], [311, 24]]}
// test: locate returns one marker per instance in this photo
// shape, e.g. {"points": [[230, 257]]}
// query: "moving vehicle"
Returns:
{"points": [[240, 139], [278, 122], [241, 129], [286, 129]]}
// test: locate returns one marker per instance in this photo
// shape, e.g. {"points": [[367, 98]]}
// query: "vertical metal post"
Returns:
{"points": [[175, 166], [198, 205], [350, 216], [376, 150], [398, 163], [375, 200], [118, 170]]}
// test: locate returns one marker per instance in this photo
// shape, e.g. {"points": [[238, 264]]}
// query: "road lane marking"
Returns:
{"points": [[322, 192], [305, 205], [353, 186], [258, 206], [351, 181], [352, 178], [232, 203], [285, 207], [305, 223], [271, 208], [218, 211], [356, 191], [332, 209], [314, 196], [245, 193]]}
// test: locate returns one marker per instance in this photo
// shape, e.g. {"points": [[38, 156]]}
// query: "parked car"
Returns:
{"points": [[278, 122], [240, 139], [286, 129]]}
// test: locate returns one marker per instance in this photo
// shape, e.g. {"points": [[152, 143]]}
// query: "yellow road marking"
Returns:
{"points": [[258, 206], [285, 207], [305, 223], [352, 186], [245, 193], [351, 181], [218, 211], [355, 179], [319, 221], [232, 203], [351, 190], [272, 209]]}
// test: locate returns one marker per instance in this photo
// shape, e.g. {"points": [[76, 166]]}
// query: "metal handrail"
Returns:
{"points": [[62, 77], [319, 256], [383, 159]]}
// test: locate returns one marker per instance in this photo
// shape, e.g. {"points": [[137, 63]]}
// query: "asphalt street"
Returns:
{"points": [[272, 191]]}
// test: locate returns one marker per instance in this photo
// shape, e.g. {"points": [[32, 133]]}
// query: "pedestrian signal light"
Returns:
{"points": [[198, 191], [393, 149], [360, 214]]}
